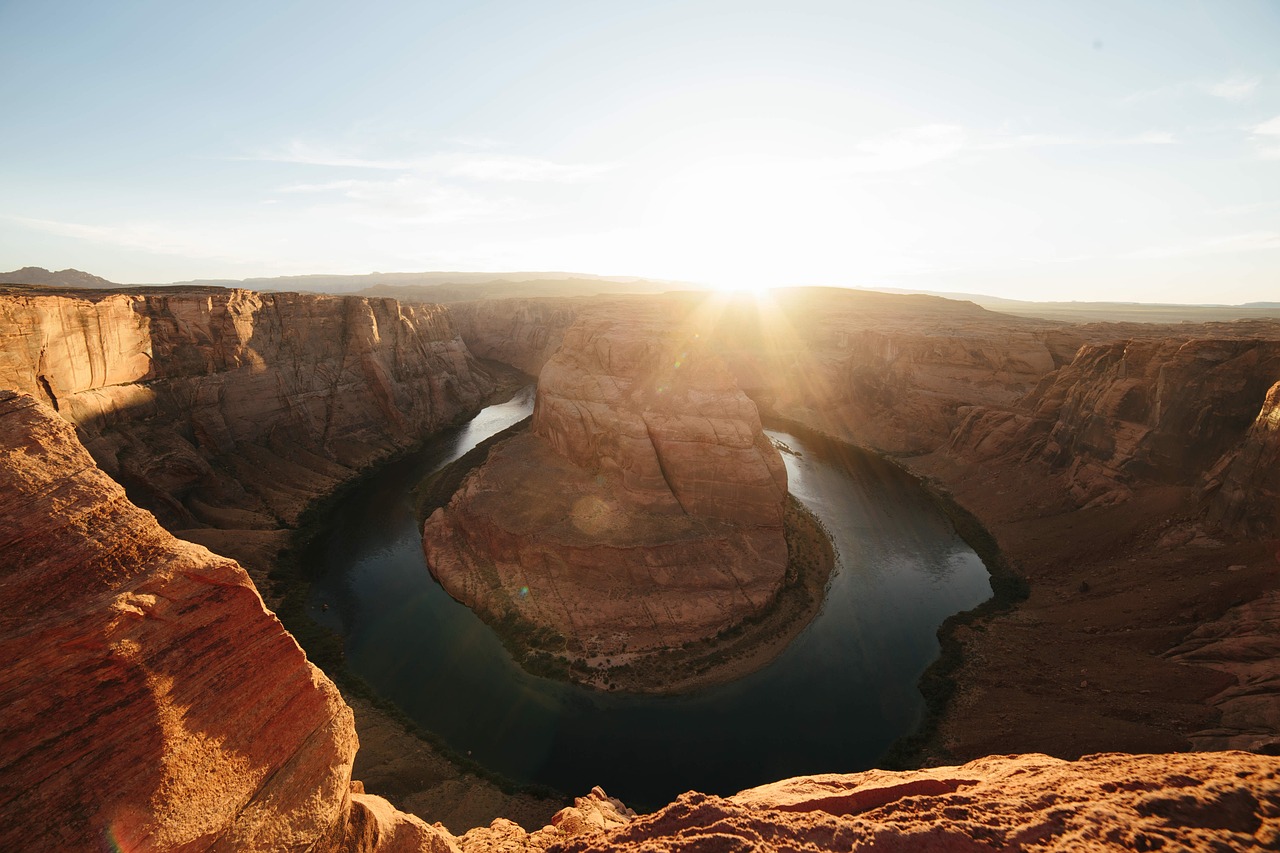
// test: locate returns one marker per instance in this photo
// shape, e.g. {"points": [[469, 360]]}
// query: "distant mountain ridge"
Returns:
{"points": [[61, 278], [1107, 312], [367, 282], [467, 286]]}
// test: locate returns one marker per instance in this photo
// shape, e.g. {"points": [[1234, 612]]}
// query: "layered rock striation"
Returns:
{"points": [[643, 511], [231, 409], [1137, 411], [523, 333], [1126, 471], [1220, 801], [148, 700]]}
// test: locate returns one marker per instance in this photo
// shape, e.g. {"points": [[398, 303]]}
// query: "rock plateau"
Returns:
{"points": [[644, 509]]}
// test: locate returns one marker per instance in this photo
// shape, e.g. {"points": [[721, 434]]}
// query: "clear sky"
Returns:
{"points": [[1040, 150]]}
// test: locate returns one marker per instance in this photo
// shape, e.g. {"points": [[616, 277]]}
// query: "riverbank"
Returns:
{"points": [[746, 647], [1077, 651], [397, 759], [739, 650]]}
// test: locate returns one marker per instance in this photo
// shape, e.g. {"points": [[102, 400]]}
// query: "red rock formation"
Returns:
{"points": [[149, 702], [645, 510], [231, 408], [1245, 485], [879, 369], [523, 333], [1218, 801], [1137, 411]]}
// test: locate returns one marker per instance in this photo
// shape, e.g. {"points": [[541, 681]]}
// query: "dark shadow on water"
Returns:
{"points": [[832, 702]]}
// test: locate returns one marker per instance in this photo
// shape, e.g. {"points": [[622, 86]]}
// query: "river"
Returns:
{"points": [[833, 701]]}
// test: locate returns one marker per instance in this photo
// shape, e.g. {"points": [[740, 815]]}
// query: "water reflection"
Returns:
{"points": [[833, 701]]}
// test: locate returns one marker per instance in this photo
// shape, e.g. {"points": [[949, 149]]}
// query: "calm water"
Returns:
{"points": [[832, 702]]}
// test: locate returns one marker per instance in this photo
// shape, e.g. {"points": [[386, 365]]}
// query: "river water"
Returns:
{"points": [[833, 701]]}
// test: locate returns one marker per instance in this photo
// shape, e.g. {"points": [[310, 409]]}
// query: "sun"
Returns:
{"points": [[738, 288]]}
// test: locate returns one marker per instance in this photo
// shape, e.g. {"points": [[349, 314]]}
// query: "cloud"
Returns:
{"points": [[1235, 89], [905, 149], [467, 165], [154, 237], [1035, 140], [1266, 137], [1252, 241], [410, 198]]}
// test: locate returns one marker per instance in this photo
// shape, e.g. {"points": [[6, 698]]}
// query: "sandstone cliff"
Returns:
{"points": [[1134, 411], [523, 333], [160, 383], [149, 701], [643, 512], [879, 369], [1126, 470], [233, 409]]}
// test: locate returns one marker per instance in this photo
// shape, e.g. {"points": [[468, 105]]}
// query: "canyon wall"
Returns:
{"points": [[523, 333], [233, 409], [879, 369], [1165, 410], [149, 701], [645, 508], [1126, 471]]}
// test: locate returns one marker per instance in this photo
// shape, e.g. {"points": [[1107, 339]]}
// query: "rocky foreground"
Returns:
{"points": [[151, 703]]}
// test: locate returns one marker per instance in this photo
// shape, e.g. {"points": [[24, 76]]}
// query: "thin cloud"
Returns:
{"points": [[907, 149], [1034, 140], [467, 165], [1235, 89], [156, 238], [1266, 137], [410, 198], [1252, 241]]}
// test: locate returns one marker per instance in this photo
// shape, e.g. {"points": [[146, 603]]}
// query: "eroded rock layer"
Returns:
{"points": [[1128, 472], [148, 701], [230, 408], [1218, 801], [645, 508]]}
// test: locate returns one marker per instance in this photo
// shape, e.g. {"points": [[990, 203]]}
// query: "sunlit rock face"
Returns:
{"points": [[641, 393], [888, 371], [644, 510], [1217, 801], [1169, 410], [149, 702], [230, 408]]}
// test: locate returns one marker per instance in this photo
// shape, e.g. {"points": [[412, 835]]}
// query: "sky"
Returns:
{"points": [[1035, 150]]}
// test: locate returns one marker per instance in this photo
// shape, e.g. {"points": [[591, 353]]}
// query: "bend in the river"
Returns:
{"points": [[834, 700]]}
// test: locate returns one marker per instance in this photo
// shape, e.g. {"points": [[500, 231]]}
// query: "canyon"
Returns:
{"points": [[1124, 471]]}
